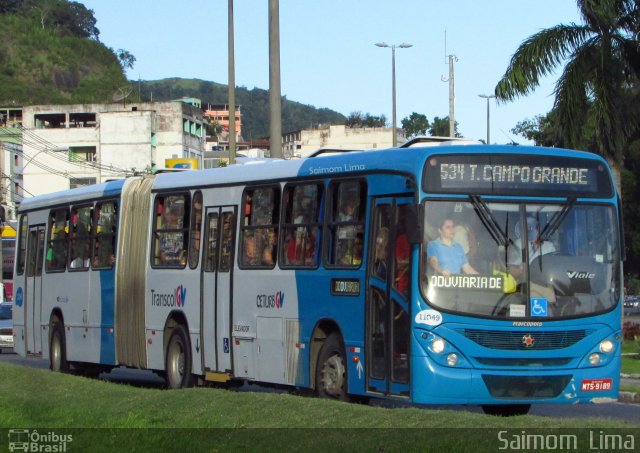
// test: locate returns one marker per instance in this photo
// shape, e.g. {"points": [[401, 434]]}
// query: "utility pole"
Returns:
{"points": [[451, 59], [232, 90], [275, 107], [452, 97]]}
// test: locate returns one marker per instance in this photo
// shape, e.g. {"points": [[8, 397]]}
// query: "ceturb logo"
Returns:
{"points": [[270, 301], [176, 299]]}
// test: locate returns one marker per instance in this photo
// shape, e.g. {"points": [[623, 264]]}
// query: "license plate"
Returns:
{"points": [[596, 385]]}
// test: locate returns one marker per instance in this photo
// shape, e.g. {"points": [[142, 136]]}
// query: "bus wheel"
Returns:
{"points": [[57, 349], [331, 371], [506, 410], [178, 360]]}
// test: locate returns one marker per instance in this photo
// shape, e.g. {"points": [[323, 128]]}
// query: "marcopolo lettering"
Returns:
{"points": [[466, 282]]}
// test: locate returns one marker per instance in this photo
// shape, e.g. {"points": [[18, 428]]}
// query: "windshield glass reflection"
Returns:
{"points": [[509, 260]]}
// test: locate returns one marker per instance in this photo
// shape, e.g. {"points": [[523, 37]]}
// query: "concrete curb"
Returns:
{"points": [[629, 376], [628, 397]]}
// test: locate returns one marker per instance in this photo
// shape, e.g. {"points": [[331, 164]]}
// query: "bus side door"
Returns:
{"points": [[33, 289], [388, 295], [217, 282]]}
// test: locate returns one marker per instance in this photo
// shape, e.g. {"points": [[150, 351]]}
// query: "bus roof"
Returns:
{"points": [[405, 160], [105, 189]]}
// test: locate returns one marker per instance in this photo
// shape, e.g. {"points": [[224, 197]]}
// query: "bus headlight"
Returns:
{"points": [[438, 345], [606, 346], [452, 359], [594, 359]]}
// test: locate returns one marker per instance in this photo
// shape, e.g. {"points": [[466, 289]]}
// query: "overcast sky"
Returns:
{"points": [[328, 58]]}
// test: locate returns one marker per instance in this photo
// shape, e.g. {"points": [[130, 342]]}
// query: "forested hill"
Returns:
{"points": [[254, 104], [54, 56], [50, 53]]}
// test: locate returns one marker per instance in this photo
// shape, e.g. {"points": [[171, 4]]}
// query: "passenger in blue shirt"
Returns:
{"points": [[445, 255]]}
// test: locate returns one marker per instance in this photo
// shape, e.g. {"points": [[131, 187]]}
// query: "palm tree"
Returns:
{"points": [[602, 65]]}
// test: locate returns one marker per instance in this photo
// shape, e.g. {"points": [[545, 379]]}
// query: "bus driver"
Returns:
{"points": [[446, 256]]}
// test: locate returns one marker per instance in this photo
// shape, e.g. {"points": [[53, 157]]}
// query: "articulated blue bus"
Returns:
{"points": [[452, 274]]}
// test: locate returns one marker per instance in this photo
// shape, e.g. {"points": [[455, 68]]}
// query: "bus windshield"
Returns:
{"points": [[520, 260]]}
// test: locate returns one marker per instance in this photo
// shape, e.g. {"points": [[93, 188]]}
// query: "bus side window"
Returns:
{"points": [[80, 247], [171, 234], [260, 227], [226, 241], [57, 249], [346, 226], [22, 244], [196, 230], [105, 235], [302, 227]]}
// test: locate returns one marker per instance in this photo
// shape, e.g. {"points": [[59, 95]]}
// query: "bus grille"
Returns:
{"points": [[515, 387], [523, 362], [510, 340]]}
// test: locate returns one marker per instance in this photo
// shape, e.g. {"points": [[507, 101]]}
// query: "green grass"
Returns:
{"points": [[39, 398], [630, 388], [630, 365], [630, 347]]}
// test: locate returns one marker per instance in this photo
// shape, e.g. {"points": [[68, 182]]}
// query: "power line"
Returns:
{"points": [[38, 143]]}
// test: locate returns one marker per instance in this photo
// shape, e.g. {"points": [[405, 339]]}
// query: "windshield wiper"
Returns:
{"points": [[489, 221], [556, 219]]}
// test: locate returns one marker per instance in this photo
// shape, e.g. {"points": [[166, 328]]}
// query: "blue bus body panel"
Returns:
{"points": [[107, 319], [434, 382]]}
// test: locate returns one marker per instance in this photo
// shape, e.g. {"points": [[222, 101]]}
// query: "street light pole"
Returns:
{"points": [[393, 85], [487, 97], [232, 87]]}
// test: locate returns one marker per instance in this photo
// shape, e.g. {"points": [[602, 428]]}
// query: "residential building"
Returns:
{"points": [[67, 146], [11, 187], [301, 143]]}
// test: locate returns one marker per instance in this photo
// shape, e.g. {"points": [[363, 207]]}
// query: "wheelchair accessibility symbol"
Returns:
{"points": [[539, 306]]}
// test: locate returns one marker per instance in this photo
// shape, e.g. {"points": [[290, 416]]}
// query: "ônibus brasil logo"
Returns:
{"points": [[271, 300], [176, 299]]}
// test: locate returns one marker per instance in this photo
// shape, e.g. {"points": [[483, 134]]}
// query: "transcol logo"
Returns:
{"points": [[270, 301], [176, 299]]}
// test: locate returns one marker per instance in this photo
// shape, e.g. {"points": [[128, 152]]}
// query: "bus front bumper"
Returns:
{"points": [[437, 384]]}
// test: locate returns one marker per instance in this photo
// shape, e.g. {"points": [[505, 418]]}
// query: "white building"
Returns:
{"points": [[303, 142], [66, 146]]}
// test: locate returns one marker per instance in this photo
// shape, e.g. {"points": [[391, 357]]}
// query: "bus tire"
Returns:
{"points": [[506, 410], [58, 349], [178, 360], [331, 371]]}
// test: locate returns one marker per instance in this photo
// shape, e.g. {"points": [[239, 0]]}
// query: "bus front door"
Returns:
{"points": [[33, 289], [388, 315], [216, 294]]}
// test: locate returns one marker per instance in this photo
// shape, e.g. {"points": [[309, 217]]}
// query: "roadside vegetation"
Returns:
{"points": [[39, 398]]}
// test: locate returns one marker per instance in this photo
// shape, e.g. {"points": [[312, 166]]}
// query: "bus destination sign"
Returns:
{"points": [[513, 173]]}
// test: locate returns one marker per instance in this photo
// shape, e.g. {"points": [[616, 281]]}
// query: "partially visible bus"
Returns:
{"points": [[319, 273], [8, 255]]}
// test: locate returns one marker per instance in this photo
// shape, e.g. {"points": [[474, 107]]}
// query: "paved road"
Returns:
{"points": [[623, 411]]}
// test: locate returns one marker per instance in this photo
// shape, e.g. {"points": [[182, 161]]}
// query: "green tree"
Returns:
{"points": [[602, 58], [67, 17], [358, 119], [125, 58], [415, 124], [440, 127]]}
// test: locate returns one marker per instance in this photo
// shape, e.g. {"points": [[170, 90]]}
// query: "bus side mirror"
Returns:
{"points": [[412, 224]]}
